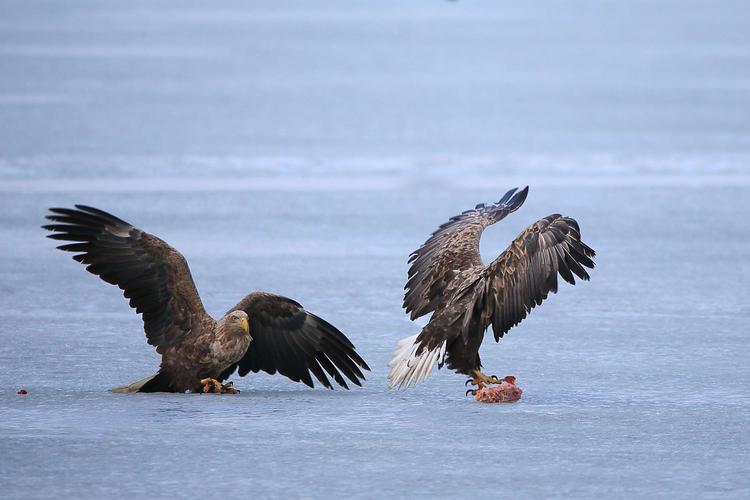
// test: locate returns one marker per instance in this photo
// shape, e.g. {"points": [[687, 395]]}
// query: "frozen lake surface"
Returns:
{"points": [[307, 152]]}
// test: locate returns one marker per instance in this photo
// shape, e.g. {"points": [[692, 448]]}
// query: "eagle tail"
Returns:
{"points": [[408, 367], [158, 382]]}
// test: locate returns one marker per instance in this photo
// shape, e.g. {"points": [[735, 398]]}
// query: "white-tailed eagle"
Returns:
{"points": [[263, 332], [448, 279]]}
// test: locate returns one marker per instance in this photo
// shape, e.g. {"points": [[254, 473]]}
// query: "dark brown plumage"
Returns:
{"points": [[448, 279], [296, 343], [263, 332]]}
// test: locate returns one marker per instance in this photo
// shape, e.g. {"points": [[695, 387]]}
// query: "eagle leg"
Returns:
{"points": [[479, 379], [228, 388], [211, 385]]}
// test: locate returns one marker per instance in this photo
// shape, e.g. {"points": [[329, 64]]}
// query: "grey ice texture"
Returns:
{"points": [[305, 148]]}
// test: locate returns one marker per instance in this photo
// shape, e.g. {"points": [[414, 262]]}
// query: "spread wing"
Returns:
{"points": [[452, 248], [296, 343], [525, 274], [152, 274]]}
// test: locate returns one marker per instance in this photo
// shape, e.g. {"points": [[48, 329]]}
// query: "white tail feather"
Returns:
{"points": [[408, 368]]}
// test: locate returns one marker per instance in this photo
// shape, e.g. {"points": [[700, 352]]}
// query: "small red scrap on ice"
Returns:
{"points": [[22, 392], [507, 392]]}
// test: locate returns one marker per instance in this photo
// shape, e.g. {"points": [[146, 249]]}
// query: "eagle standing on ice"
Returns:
{"points": [[448, 279], [263, 332]]}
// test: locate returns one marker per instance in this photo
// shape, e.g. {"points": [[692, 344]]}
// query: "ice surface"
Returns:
{"points": [[306, 150]]}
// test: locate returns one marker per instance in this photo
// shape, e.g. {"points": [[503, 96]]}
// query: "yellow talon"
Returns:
{"points": [[229, 389], [479, 379], [211, 385]]}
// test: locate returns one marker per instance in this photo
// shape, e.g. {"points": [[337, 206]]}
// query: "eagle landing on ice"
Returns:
{"points": [[262, 332], [448, 279]]}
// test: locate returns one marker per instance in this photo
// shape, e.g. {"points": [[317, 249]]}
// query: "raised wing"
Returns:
{"points": [[452, 248], [296, 343], [524, 274], [152, 274]]}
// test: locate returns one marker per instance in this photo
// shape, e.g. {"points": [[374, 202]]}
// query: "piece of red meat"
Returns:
{"points": [[507, 392]]}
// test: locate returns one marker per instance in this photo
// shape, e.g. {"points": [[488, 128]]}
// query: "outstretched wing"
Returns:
{"points": [[524, 274], [152, 274], [452, 248], [296, 343]]}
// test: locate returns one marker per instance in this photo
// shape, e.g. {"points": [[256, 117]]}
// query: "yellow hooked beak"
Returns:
{"points": [[245, 325]]}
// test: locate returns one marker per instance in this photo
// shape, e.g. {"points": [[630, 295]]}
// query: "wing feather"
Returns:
{"points": [[526, 273], [295, 343], [154, 277], [452, 248]]}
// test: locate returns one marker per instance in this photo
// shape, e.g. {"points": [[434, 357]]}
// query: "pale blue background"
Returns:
{"points": [[306, 148]]}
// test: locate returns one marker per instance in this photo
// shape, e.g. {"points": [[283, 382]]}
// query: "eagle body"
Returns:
{"points": [[262, 332], [207, 354], [447, 312], [449, 281]]}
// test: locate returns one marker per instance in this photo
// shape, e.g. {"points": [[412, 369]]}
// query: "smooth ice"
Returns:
{"points": [[307, 150]]}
